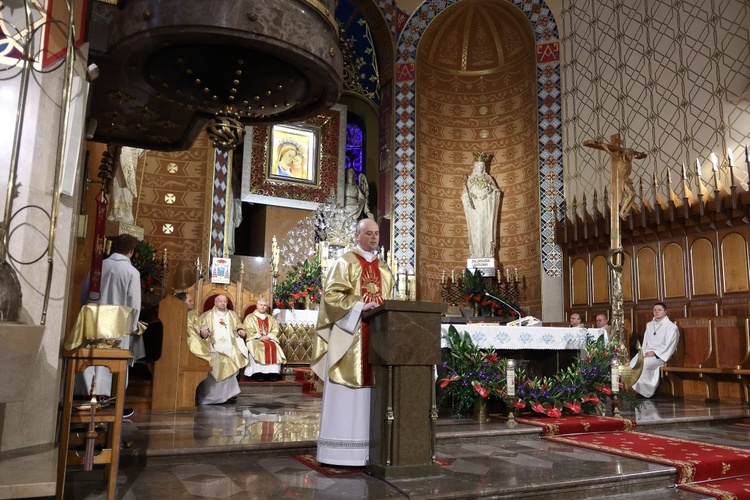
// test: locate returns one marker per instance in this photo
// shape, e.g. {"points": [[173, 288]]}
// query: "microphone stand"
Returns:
{"points": [[504, 303]]}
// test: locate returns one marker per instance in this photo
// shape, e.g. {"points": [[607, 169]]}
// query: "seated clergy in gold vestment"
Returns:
{"points": [[226, 335], [265, 354]]}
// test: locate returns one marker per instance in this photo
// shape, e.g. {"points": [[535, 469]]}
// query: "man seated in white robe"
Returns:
{"points": [[225, 333], [659, 344], [357, 281], [265, 353]]}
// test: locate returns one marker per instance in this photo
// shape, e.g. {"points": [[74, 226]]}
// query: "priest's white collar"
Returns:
{"points": [[369, 256]]}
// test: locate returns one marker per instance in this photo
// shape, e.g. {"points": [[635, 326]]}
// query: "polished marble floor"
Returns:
{"points": [[244, 451]]}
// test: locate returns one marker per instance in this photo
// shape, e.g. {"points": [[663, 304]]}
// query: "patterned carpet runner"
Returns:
{"points": [[578, 424], [694, 461], [309, 381], [736, 488]]}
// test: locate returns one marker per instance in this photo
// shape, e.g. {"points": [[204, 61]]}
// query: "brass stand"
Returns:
{"points": [[615, 406]]}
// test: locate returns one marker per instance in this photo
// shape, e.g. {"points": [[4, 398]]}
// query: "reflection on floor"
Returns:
{"points": [[244, 451]]}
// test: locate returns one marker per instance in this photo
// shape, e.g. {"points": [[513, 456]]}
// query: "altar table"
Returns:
{"points": [[524, 337]]}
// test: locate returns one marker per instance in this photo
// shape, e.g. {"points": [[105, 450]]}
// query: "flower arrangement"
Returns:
{"points": [[472, 373], [473, 286], [302, 282], [581, 388], [144, 259]]}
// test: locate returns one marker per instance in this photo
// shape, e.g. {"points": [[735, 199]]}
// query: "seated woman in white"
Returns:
{"points": [[659, 344], [265, 353]]}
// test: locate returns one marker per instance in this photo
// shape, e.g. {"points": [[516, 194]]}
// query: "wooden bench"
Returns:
{"points": [[712, 360]]}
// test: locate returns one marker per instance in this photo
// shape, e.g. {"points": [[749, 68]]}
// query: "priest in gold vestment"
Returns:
{"points": [[226, 335], [358, 281], [266, 356], [197, 344]]}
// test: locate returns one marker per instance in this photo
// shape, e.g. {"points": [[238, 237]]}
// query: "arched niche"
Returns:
{"points": [[734, 272], [477, 91], [646, 272], [600, 279], [703, 265], [579, 283], [673, 263]]}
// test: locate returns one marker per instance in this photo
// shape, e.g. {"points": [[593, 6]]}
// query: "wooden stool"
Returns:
{"points": [[77, 361]]}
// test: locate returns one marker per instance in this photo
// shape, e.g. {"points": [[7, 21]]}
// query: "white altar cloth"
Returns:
{"points": [[523, 337]]}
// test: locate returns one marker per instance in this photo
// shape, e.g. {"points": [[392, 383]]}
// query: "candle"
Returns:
{"points": [[274, 255], [453, 275], [715, 164], [507, 274], [442, 278], [615, 376], [401, 282], [730, 156], [510, 378], [515, 275]]}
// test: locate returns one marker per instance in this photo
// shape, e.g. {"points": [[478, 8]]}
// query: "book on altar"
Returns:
{"points": [[526, 321]]}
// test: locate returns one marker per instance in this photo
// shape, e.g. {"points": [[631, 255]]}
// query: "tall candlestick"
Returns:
{"points": [[615, 376], [510, 378], [731, 166]]}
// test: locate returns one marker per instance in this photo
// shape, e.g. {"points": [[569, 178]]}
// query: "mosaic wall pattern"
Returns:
{"points": [[549, 122], [482, 98], [174, 192], [672, 78]]}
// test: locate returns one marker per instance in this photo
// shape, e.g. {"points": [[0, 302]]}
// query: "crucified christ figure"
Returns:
{"points": [[622, 166]]}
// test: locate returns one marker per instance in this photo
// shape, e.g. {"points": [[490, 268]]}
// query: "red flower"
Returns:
{"points": [[575, 407], [445, 381], [492, 358], [477, 298], [606, 390], [279, 304], [304, 293], [296, 296], [519, 404], [554, 412], [481, 390], [591, 399], [485, 302], [537, 407]]}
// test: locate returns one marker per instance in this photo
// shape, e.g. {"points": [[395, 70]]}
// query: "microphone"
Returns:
{"points": [[505, 304]]}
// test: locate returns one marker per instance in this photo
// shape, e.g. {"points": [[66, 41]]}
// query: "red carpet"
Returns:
{"points": [[330, 470], [578, 424], [742, 424], [694, 461], [736, 488], [308, 379]]}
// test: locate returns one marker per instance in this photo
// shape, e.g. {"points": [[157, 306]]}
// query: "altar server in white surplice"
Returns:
{"points": [[357, 281], [659, 344], [266, 356], [226, 334]]}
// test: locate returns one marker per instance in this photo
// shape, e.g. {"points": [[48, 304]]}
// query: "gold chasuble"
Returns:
{"points": [[266, 352], [197, 345], [350, 279], [224, 338]]}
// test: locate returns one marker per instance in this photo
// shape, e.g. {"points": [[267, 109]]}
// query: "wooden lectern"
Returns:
{"points": [[404, 347]]}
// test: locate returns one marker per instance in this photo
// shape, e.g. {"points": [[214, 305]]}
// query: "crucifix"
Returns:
{"points": [[623, 196]]}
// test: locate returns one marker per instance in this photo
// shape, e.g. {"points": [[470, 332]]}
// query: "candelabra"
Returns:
{"points": [[503, 286]]}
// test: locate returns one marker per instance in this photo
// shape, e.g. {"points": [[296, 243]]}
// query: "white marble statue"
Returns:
{"points": [[481, 200], [355, 196], [124, 187]]}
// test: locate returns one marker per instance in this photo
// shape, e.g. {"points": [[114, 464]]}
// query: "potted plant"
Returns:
{"points": [[302, 286]]}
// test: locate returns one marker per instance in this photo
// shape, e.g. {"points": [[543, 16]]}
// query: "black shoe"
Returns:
{"points": [[127, 412], [231, 400]]}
